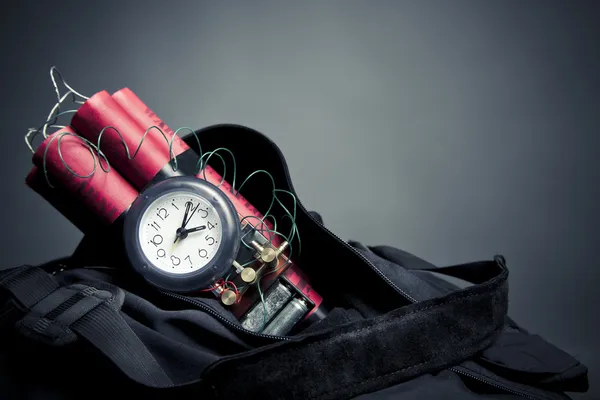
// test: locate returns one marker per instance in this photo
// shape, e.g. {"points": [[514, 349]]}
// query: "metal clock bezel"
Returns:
{"points": [[224, 256]]}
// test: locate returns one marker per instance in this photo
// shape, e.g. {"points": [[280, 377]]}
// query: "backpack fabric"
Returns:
{"points": [[398, 327]]}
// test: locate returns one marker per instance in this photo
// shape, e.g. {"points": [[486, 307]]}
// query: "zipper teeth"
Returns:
{"points": [[493, 384], [221, 318]]}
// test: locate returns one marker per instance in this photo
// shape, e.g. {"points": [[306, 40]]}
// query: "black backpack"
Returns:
{"points": [[398, 326]]}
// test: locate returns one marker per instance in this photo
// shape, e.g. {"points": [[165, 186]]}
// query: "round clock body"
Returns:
{"points": [[182, 234]]}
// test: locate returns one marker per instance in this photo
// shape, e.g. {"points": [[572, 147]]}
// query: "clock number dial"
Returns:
{"points": [[162, 213], [210, 240], [203, 253], [155, 225], [157, 240], [210, 226], [175, 260], [203, 211], [161, 253], [189, 259]]}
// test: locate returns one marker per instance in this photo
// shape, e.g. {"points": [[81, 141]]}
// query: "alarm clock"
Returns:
{"points": [[182, 234]]}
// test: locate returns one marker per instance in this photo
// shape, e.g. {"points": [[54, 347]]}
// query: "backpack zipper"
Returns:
{"points": [[496, 385], [220, 317]]}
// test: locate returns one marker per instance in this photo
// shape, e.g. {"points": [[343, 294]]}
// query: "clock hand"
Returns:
{"points": [[181, 230], [195, 229], [182, 234], [188, 205], [191, 215], [174, 244]]}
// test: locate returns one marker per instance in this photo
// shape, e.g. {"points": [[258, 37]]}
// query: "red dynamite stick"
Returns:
{"points": [[105, 194], [101, 111], [75, 212], [146, 118]]}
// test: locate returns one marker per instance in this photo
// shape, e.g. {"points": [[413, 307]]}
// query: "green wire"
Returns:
{"points": [[294, 229], [129, 156], [89, 145], [250, 176], [271, 231], [274, 220], [294, 232], [171, 141], [32, 134], [203, 167], [200, 165], [251, 261]]}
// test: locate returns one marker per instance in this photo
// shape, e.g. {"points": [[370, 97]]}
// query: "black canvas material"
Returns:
{"points": [[399, 327]]}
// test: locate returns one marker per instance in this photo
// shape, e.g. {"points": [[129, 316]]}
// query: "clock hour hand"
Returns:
{"points": [[182, 233], [195, 229]]}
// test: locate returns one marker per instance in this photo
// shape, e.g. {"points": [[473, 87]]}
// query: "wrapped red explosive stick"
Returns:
{"points": [[102, 196]]}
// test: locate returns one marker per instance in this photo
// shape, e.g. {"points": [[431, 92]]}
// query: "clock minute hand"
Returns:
{"points": [[191, 215], [180, 230], [188, 205]]}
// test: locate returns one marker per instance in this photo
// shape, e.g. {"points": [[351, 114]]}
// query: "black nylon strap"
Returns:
{"points": [[108, 332], [373, 354], [28, 284], [56, 312]]}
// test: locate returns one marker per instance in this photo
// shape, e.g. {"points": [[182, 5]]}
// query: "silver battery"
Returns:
{"points": [[275, 299], [287, 318]]}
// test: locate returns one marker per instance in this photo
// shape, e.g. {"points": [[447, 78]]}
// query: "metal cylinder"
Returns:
{"points": [[258, 316], [283, 322]]}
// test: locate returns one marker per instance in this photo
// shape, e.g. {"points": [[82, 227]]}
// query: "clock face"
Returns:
{"points": [[182, 234], [175, 250]]}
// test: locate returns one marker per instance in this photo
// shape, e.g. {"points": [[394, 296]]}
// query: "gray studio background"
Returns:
{"points": [[453, 130]]}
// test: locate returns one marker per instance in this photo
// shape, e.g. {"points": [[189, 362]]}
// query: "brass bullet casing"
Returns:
{"points": [[228, 297], [248, 275]]}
